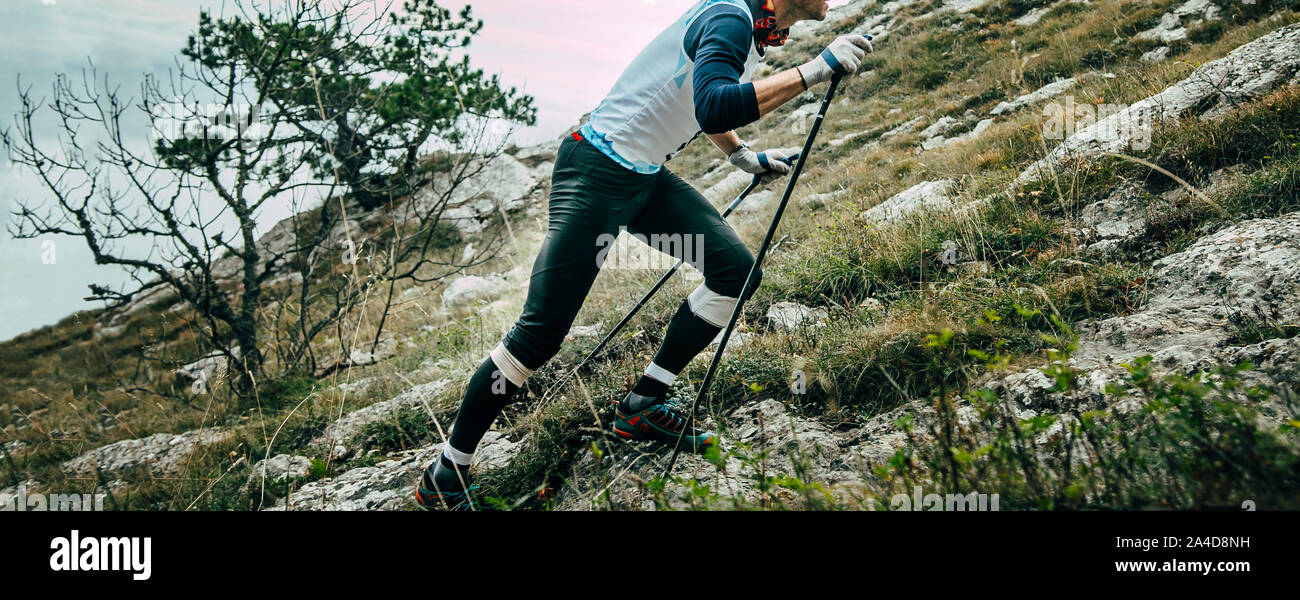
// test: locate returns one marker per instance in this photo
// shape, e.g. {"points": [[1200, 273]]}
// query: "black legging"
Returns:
{"points": [[592, 196]]}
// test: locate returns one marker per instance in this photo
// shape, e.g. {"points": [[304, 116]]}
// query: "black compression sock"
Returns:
{"points": [[487, 392], [687, 335], [635, 402], [446, 476], [649, 386]]}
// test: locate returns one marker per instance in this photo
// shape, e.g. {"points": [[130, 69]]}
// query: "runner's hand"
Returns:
{"points": [[770, 164], [843, 56]]}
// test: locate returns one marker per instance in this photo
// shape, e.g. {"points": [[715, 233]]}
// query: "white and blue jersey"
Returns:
{"points": [[693, 77]]}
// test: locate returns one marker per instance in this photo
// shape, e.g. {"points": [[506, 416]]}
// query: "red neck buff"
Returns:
{"points": [[765, 32]]}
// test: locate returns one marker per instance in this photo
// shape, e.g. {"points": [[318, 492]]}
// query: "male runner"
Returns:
{"points": [[694, 77]]}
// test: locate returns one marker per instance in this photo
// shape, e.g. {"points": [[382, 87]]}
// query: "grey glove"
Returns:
{"points": [[770, 164], [843, 56]]}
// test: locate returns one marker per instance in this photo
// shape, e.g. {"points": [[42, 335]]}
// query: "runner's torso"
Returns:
{"points": [[648, 116]]}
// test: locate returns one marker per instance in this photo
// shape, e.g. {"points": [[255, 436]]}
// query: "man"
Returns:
{"points": [[692, 78]]}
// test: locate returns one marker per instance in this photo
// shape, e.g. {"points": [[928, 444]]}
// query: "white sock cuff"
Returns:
{"points": [[510, 366], [660, 374], [456, 456], [711, 306]]}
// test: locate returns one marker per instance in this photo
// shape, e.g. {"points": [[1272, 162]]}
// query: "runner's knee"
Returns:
{"points": [[713, 304], [729, 279], [511, 365], [529, 348]]}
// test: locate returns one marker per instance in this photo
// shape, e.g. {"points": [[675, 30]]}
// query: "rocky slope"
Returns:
{"points": [[1186, 320]]}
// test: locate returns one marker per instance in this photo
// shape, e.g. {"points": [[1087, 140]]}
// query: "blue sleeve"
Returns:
{"points": [[718, 41]]}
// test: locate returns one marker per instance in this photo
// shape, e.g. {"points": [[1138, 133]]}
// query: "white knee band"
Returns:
{"points": [[660, 374], [510, 366], [711, 306]]}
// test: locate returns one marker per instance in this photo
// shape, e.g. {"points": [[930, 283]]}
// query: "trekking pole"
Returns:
{"points": [[758, 260], [668, 275]]}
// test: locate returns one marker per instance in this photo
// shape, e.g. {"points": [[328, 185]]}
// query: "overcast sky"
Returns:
{"points": [[566, 53]]}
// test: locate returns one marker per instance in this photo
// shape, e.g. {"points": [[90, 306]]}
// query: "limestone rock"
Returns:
{"points": [[164, 453], [582, 331], [389, 485], [1155, 56], [337, 435], [1048, 91], [1120, 216], [503, 183], [1173, 24], [940, 128], [470, 289], [1252, 266], [789, 316], [1247, 72], [764, 426], [278, 468], [1032, 17], [963, 6], [927, 195]]}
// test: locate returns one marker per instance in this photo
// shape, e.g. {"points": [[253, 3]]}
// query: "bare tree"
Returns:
{"points": [[272, 106]]}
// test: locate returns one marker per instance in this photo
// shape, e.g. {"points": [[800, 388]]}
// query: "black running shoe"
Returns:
{"points": [[441, 488], [660, 420]]}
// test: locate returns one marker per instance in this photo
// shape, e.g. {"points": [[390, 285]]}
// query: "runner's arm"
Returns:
{"points": [[719, 43], [726, 142], [721, 40], [778, 89]]}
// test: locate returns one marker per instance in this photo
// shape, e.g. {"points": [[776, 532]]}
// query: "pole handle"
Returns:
{"points": [[789, 160]]}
